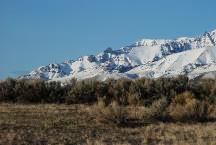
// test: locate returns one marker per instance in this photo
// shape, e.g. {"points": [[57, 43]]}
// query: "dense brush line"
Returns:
{"points": [[142, 91]]}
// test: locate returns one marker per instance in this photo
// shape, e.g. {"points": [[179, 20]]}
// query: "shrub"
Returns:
{"points": [[134, 99], [185, 107], [158, 108], [157, 111], [212, 95], [30, 91], [112, 113], [126, 92], [82, 92], [55, 92], [7, 93]]}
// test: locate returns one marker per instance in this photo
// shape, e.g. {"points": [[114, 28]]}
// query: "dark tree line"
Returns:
{"points": [[127, 92]]}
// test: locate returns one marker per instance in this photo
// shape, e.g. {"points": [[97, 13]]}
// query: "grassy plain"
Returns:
{"points": [[74, 124]]}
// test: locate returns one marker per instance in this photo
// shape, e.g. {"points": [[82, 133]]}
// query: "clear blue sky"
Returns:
{"points": [[39, 32]]}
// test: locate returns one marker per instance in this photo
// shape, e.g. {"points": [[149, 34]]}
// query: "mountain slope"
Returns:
{"points": [[146, 58]]}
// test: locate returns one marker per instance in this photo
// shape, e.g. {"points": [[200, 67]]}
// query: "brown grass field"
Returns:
{"points": [[74, 125]]}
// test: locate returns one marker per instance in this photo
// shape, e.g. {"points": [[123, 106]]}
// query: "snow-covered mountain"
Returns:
{"points": [[153, 58]]}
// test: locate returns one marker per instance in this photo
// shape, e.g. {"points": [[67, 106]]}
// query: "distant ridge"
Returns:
{"points": [[152, 58]]}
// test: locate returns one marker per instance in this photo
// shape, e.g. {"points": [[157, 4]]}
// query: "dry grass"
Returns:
{"points": [[64, 124]]}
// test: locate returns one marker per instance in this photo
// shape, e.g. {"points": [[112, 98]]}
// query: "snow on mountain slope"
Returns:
{"points": [[145, 58], [179, 63]]}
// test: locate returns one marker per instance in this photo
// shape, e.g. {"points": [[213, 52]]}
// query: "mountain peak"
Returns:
{"points": [[213, 31], [213, 36], [145, 58]]}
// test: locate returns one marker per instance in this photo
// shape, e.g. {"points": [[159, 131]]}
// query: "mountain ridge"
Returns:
{"points": [[145, 58]]}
